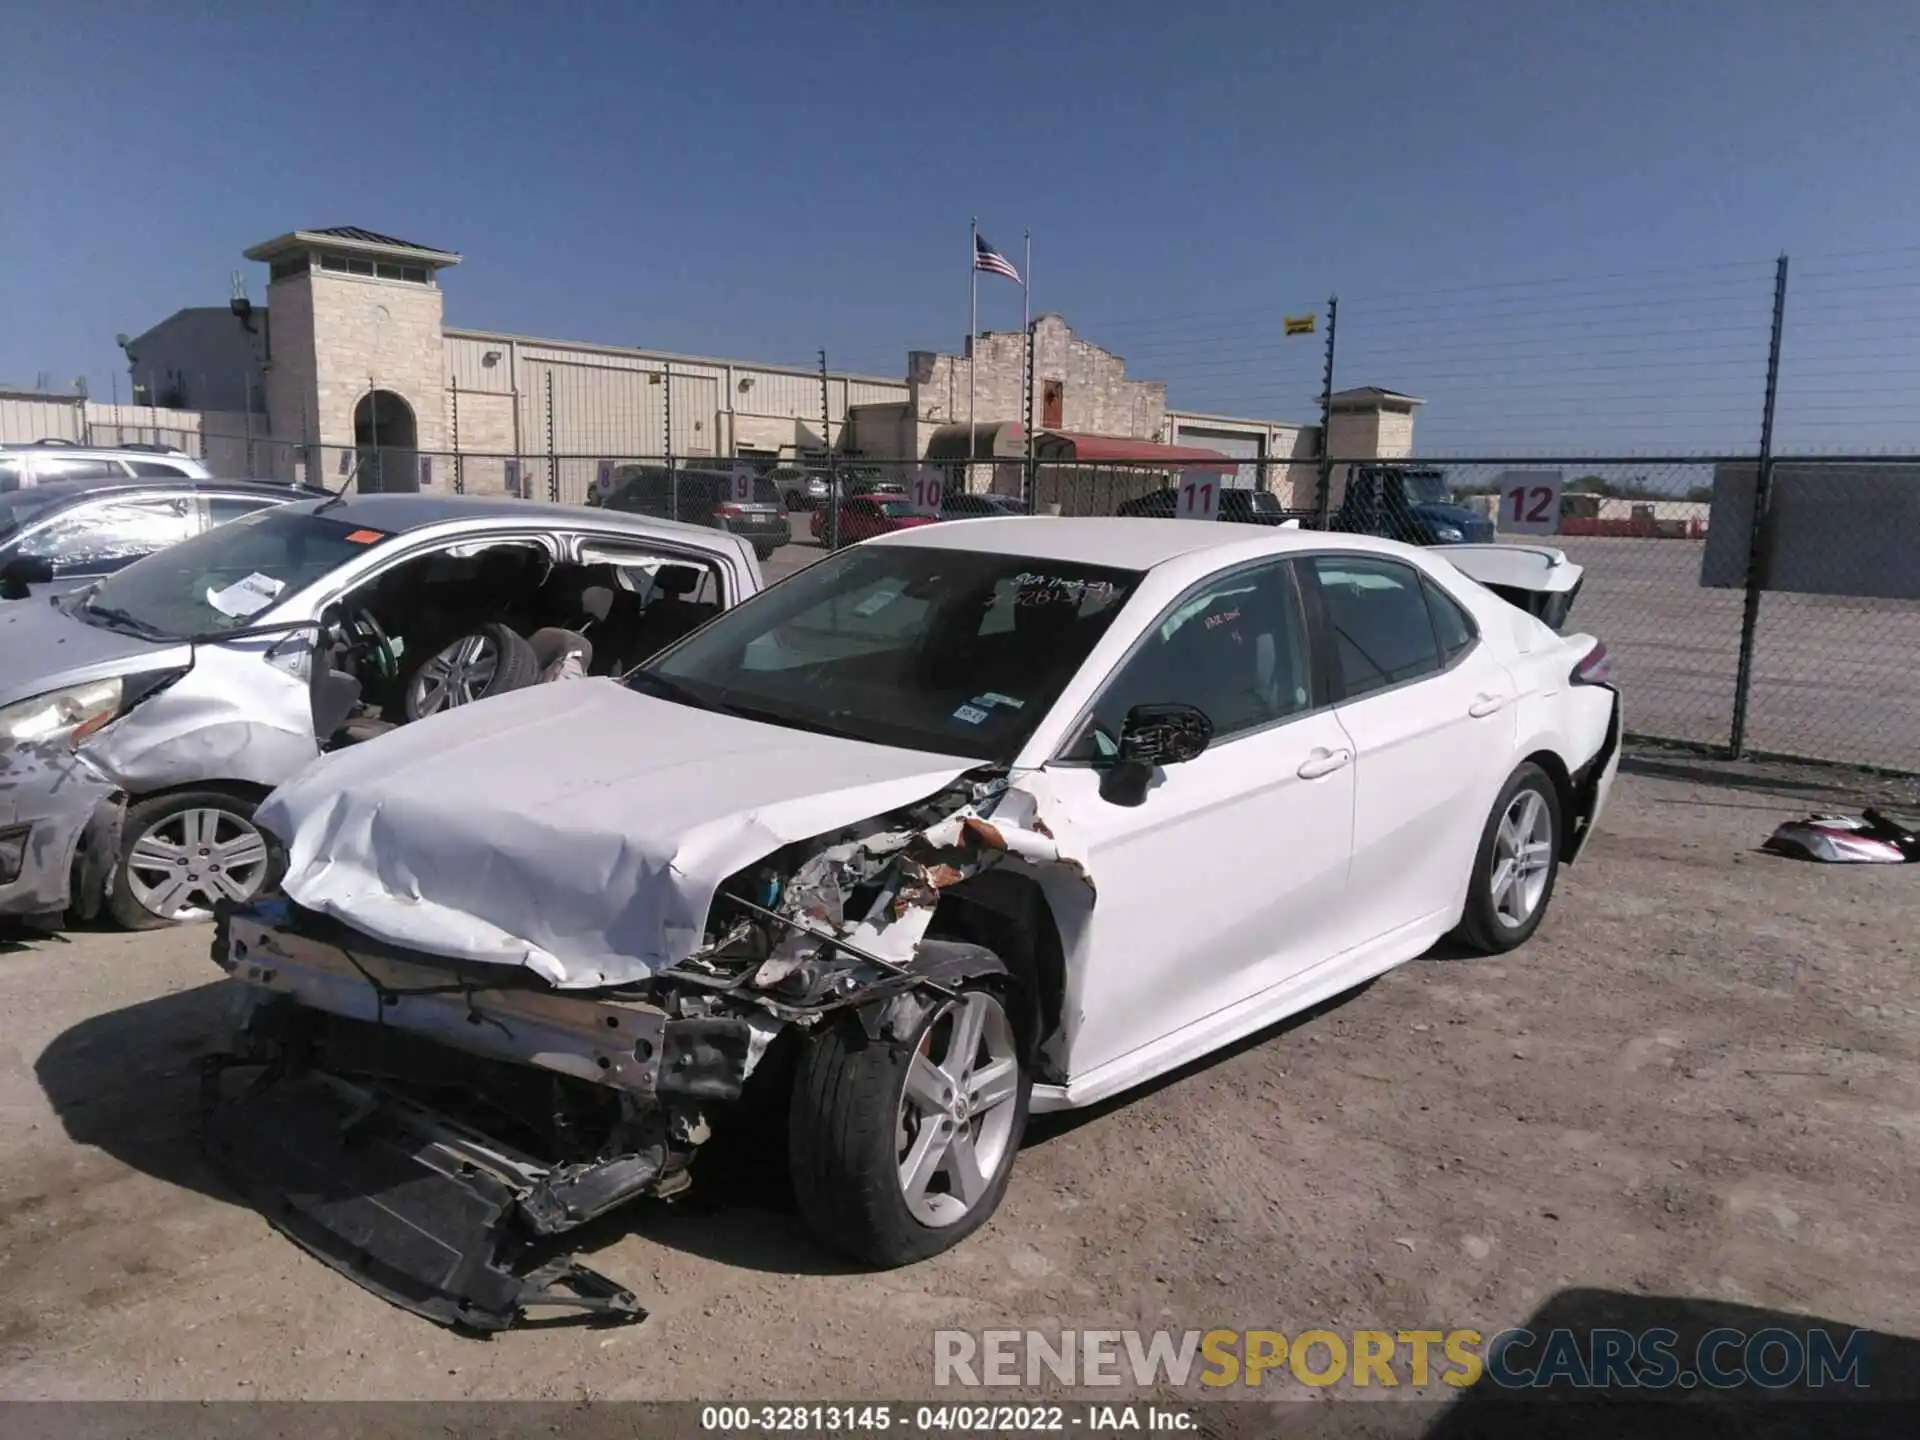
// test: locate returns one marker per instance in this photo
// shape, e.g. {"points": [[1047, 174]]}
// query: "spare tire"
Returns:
{"points": [[488, 660]]}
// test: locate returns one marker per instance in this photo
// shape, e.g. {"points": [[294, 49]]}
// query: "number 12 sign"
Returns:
{"points": [[1198, 497], [1530, 502]]}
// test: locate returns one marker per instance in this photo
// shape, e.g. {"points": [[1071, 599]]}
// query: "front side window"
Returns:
{"points": [[92, 538], [1235, 647], [229, 577], [1382, 630], [955, 651]]}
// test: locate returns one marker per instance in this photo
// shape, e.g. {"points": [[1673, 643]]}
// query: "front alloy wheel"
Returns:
{"points": [[181, 854], [957, 1109], [901, 1149]]}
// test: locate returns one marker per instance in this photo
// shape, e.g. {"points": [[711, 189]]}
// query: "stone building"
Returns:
{"points": [[350, 369]]}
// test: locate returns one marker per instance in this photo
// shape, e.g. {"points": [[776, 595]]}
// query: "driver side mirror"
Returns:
{"points": [[1150, 737], [21, 572]]}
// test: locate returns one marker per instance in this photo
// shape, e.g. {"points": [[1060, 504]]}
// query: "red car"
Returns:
{"points": [[864, 516]]}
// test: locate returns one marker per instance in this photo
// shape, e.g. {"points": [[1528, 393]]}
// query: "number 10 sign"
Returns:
{"points": [[1530, 502]]}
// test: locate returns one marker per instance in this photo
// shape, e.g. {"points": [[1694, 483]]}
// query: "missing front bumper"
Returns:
{"points": [[438, 1221]]}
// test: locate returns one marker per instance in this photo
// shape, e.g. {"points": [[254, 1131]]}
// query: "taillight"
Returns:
{"points": [[732, 512], [1595, 667]]}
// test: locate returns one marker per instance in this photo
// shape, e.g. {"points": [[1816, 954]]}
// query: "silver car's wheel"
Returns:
{"points": [[1523, 847], [957, 1110], [456, 675], [181, 863]]}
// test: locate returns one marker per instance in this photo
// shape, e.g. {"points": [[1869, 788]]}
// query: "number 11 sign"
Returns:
{"points": [[1530, 502], [1199, 496]]}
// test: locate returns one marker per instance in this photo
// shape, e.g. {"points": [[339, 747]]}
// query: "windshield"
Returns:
{"points": [[955, 651], [1428, 487], [229, 577]]}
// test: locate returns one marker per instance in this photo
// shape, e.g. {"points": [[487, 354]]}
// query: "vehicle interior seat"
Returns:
{"points": [[669, 614]]}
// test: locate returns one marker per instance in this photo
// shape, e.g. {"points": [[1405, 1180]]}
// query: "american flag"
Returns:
{"points": [[986, 258]]}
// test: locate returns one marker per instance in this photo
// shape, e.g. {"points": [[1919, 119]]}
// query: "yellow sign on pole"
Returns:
{"points": [[1299, 324]]}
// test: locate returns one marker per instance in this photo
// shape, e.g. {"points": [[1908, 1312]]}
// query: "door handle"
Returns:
{"points": [[1324, 762], [1485, 705]]}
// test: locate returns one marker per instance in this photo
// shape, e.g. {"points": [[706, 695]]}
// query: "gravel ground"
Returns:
{"points": [[1700, 1080]]}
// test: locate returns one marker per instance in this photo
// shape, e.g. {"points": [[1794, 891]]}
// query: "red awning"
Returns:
{"points": [[1062, 445]]}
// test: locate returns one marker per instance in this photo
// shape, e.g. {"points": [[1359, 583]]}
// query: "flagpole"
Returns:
{"points": [[1026, 307], [1026, 400], [973, 337]]}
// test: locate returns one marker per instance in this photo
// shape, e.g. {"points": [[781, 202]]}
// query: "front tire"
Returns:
{"points": [[900, 1150], [1517, 864], [181, 853]]}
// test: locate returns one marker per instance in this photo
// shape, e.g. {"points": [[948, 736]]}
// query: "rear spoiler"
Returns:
{"points": [[1539, 579]]}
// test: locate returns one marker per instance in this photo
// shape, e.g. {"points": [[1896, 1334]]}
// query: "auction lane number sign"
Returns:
{"points": [[925, 490], [1530, 502], [1198, 497]]}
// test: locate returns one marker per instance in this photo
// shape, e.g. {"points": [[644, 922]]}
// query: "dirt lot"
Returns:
{"points": [[1702, 1079]]}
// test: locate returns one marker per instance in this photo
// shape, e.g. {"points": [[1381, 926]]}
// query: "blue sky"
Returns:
{"points": [[759, 180]]}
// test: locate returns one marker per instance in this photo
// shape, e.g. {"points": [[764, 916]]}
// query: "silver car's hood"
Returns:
{"points": [[580, 829], [42, 648]]}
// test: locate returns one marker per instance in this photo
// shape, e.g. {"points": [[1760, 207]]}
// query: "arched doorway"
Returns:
{"points": [[388, 439]]}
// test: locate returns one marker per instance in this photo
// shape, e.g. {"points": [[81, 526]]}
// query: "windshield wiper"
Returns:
{"points": [[117, 619]]}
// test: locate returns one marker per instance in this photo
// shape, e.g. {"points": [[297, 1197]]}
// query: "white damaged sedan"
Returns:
{"points": [[959, 823]]}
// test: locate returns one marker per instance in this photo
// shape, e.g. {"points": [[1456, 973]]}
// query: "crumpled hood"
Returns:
{"points": [[580, 829], [43, 648]]}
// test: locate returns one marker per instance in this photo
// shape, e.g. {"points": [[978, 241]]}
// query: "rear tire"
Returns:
{"points": [[902, 1149], [1516, 866], [180, 853]]}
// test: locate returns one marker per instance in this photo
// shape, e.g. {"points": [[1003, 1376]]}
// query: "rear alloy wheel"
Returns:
{"points": [[1518, 861], [182, 853], [487, 661], [902, 1150]]}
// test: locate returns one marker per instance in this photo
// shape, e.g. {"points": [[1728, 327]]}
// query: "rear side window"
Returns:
{"points": [[157, 470], [1383, 632], [46, 469], [1452, 626], [9, 475]]}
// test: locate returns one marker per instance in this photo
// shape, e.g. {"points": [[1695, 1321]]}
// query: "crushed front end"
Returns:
{"points": [[435, 1128]]}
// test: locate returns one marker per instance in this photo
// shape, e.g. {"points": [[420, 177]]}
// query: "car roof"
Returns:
{"points": [[398, 513], [1125, 541], [67, 490], [97, 452]]}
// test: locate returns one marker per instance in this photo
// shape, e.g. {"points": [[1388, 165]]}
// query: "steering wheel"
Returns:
{"points": [[366, 639]]}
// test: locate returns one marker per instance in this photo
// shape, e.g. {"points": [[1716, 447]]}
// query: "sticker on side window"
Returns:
{"points": [[248, 596]]}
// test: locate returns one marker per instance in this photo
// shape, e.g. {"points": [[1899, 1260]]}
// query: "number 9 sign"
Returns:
{"points": [[1530, 502]]}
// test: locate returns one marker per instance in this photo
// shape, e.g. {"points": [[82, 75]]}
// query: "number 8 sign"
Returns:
{"points": [[1530, 502]]}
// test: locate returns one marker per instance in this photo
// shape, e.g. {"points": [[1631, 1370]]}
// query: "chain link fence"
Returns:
{"points": [[1613, 418]]}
